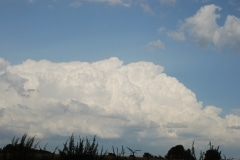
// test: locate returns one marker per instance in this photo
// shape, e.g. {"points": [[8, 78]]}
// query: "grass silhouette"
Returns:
{"points": [[25, 148]]}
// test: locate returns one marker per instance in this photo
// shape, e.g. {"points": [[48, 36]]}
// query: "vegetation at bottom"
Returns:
{"points": [[26, 148]]}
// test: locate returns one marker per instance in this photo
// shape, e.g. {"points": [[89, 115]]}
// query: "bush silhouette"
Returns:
{"points": [[178, 152], [147, 155], [21, 149], [83, 149], [24, 148], [212, 153]]}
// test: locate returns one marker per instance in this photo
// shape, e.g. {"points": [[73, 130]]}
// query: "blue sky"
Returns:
{"points": [[196, 41]]}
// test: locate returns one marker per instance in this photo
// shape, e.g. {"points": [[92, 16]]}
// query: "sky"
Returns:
{"points": [[144, 74]]}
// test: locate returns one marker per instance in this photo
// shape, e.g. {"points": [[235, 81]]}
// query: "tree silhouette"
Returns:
{"points": [[212, 153], [147, 155], [178, 152]]}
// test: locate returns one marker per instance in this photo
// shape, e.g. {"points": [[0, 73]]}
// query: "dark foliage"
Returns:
{"points": [[24, 148], [212, 153], [82, 150], [178, 152], [116, 154], [147, 155]]}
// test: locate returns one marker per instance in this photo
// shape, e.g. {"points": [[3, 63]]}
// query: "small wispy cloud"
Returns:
{"points": [[161, 30], [146, 8], [50, 6], [31, 1], [126, 3], [168, 2], [75, 4], [155, 45], [177, 35]]}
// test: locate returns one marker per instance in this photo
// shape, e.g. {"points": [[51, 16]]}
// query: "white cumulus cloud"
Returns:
{"points": [[204, 30], [110, 99], [202, 25]]}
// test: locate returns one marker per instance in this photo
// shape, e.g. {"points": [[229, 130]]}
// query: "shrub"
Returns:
{"points": [[20, 148], [116, 155], [82, 150], [24, 148], [212, 153], [178, 152]]}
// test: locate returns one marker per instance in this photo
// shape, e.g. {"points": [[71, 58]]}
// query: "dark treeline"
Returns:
{"points": [[25, 148]]}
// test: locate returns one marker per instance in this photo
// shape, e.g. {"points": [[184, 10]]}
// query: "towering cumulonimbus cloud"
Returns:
{"points": [[106, 98]]}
